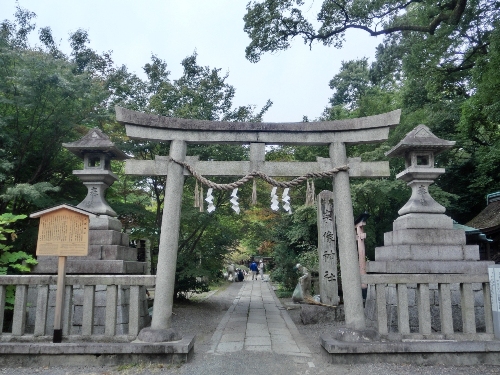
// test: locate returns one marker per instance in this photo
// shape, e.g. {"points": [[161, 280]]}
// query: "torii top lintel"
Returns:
{"points": [[151, 127]]}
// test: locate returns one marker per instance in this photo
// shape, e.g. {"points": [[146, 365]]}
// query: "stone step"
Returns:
{"points": [[437, 266], [427, 252], [425, 236]]}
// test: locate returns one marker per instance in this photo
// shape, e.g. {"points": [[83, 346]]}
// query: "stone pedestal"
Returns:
{"points": [[426, 243], [109, 252]]}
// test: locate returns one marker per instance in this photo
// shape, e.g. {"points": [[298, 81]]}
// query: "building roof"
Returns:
{"points": [[487, 218]]}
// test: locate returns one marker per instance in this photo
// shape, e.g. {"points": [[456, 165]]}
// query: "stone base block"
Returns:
{"points": [[31, 354], [89, 266], [312, 314], [149, 334], [423, 221], [110, 252], [434, 266], [104, 222], [418, 352], [107, 237], [424, 237], [427, 252]]}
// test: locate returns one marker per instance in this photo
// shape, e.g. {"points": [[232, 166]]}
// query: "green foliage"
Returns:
{"points": [[310, 260], [272, 24], [382, 199], [12, 262], [46, 98], [350, 84], [295, 234]]}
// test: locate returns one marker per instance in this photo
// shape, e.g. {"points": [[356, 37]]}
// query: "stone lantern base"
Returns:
{"points": [[426, 243]]}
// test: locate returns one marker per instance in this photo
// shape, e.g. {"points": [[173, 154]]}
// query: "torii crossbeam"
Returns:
{"points": [[335, 134]]}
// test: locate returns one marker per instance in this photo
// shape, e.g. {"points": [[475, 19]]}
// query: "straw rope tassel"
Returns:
{"points": [[200, 197], [196, 195], [308, 194], [254, 192]]}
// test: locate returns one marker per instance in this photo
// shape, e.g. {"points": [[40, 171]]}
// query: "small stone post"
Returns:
{"points": [[327, 253], [359, 223], [348, 254]]}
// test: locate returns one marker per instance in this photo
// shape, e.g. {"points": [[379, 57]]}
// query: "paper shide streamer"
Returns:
{"points": [[234, 200], [210, 200]]}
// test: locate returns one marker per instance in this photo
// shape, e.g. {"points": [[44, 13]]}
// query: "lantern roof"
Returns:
{"points": [[420, 138], [95, 141]]}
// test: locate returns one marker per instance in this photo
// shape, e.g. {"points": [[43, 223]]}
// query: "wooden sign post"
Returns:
{"points": [[63, 231]]}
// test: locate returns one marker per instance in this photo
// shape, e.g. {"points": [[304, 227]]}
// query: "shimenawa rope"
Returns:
{"points": [[265, 177]]}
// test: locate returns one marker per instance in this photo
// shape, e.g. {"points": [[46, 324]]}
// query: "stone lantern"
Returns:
{"points": [[109, 251], [423, 239], [97, 151], [419, 148]]}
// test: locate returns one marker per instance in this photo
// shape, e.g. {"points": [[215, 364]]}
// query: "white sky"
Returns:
{"points": [[295, 80]]}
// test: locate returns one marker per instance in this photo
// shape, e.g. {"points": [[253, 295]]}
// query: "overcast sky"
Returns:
{"points": [[295, 80]]}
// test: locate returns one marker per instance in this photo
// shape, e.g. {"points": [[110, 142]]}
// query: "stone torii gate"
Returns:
{"points": [[180, 132]]}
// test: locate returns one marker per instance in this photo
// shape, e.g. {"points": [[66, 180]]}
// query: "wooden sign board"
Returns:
{"points": [[63, 232]]}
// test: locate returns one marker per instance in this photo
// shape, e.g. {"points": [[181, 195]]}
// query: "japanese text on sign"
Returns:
{"points": [[63, 233]]}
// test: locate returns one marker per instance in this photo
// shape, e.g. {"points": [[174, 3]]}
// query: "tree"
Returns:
{"points": [[271, 24], [46, 98]]}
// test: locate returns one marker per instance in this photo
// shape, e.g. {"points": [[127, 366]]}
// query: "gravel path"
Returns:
{"points": [[202, 318]]}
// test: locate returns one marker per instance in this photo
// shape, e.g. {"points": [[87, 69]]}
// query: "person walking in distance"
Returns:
{"points": [[261, 270], [253, 268]]}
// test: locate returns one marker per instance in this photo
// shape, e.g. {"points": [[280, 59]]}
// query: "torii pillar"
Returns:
{"points": [[336, 134]]}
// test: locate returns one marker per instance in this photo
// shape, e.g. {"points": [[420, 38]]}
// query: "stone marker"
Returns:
{"points": [[327, 252]]}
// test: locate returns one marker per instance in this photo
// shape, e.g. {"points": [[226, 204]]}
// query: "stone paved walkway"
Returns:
{"points": [[258, 322]]}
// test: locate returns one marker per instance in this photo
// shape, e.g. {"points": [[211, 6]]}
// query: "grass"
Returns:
{"points": [[282, 292]]}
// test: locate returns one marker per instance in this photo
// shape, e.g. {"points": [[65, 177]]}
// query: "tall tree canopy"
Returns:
{"points": [[271, 24]]}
